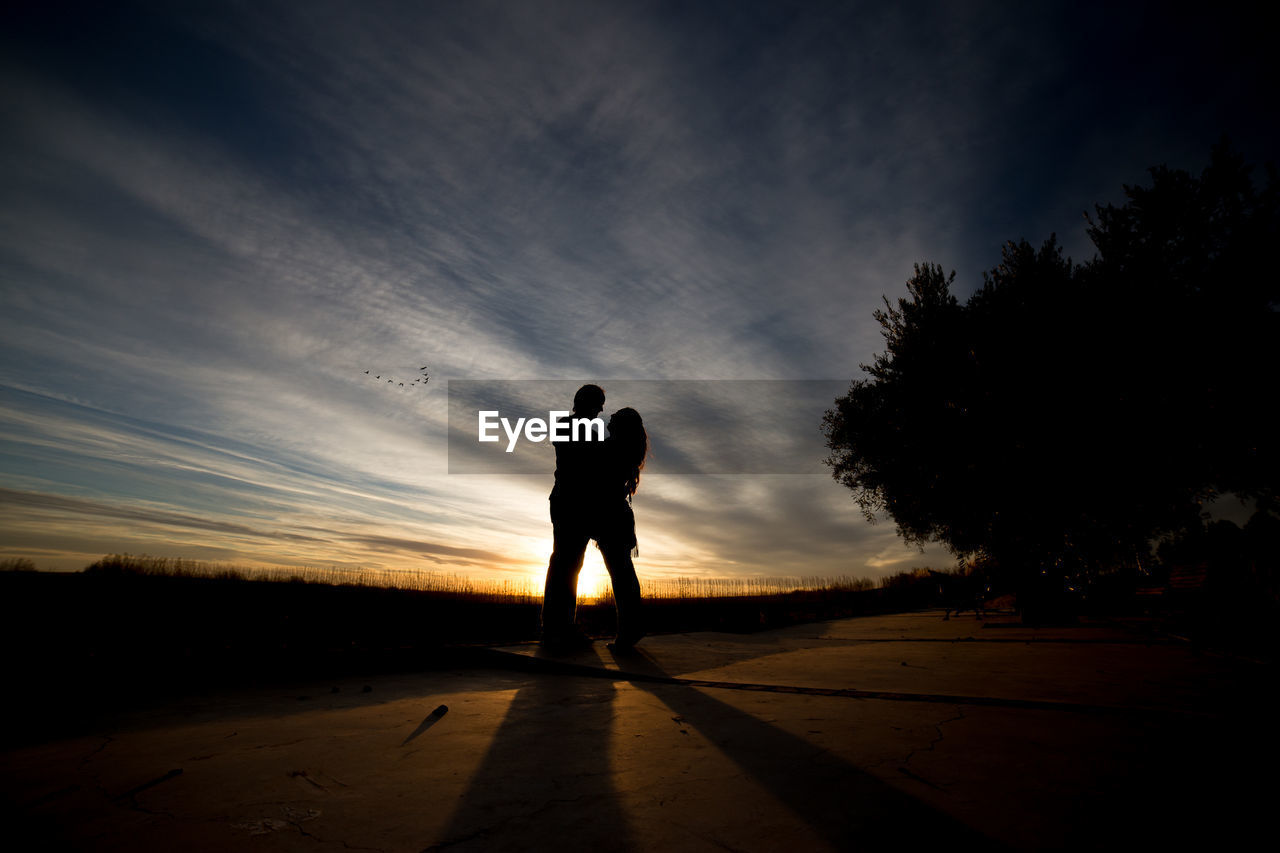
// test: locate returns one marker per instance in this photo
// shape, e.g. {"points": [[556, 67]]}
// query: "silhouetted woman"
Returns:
{"points": [[615, 524]]}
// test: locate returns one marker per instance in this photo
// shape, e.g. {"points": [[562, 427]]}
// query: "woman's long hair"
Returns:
{"points": [[627, 429]]}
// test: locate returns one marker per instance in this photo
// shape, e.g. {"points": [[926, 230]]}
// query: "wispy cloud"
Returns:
{"points": [[213, 227]]}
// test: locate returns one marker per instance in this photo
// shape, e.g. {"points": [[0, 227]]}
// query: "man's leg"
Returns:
{"points": [[560, 595]]}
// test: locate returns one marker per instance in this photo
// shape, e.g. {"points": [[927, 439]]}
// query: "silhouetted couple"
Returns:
{"points": [[592, 500]]}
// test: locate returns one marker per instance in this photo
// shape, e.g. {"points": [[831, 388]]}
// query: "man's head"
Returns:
{"points": [[589, 401]]}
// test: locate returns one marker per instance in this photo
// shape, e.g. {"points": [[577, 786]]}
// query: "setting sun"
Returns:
{"points": [[594, 579]]}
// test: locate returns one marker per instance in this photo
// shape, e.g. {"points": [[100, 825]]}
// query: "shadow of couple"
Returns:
{"points": [[578, 763]]}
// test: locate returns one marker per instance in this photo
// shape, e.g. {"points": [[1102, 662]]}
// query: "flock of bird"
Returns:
{"points": [[424, 378]]}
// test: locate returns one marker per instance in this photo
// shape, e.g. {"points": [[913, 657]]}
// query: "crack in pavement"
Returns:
{"points": [[916, 776], [937, 727], [107, 740], [133, 792]]}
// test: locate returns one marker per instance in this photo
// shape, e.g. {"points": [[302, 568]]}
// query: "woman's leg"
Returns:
{"points": [[626, 592]]}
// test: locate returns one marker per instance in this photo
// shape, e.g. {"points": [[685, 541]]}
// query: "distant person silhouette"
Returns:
{"points": [[592, 500], [572, 497]]}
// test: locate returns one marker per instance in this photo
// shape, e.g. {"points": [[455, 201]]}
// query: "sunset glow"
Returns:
{"points": [[245, 252]]}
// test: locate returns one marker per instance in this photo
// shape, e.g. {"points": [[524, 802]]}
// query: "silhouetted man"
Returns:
{"points": [[572, 501]]}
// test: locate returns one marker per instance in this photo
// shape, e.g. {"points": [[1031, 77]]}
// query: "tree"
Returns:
{"points": [[1078, 409]]}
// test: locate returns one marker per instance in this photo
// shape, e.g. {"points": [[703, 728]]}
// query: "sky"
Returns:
{"points": [[218, 216]]}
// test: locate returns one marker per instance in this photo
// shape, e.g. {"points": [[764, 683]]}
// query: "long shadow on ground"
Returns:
{"points": [[545, 782], [847, 806]]}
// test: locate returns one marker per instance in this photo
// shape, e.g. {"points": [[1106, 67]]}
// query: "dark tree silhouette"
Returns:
{"points": [[1065, 414]]}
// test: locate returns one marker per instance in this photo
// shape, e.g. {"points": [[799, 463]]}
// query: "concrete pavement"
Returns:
{"points": [[902, 732]]}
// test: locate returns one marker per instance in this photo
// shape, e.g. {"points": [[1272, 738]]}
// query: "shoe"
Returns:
{"points": [[626, 642]]}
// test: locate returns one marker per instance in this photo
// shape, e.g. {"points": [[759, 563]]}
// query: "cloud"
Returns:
{"points": [[432, 550], [30, 502], [533, 212], [215, 226]]}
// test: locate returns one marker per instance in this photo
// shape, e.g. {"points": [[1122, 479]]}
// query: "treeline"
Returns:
{"points": [[1065, 417]]}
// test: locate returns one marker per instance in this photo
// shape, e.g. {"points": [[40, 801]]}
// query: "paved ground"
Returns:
{"points": [[893, 732]]}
